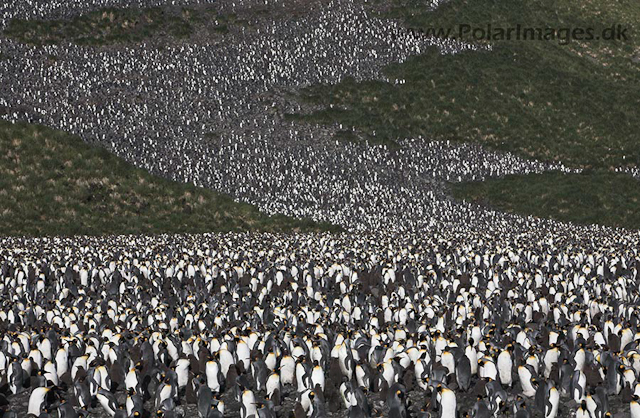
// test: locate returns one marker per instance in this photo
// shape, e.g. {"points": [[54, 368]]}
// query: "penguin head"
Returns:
{"points": [[159, 413]]}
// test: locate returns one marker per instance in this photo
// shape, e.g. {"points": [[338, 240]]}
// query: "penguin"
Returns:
{"points": [[132, 379], [205, 400], [82, 394], [347, 393], [361, 400], [421, 370], [260, 373], [107, 401], [566, 376], [447, 402], [214, 375], [363, 374], [448, 361], [497, 396], [317, 405], [134, 402], [552, 402], [248, 404], [357, 412], [582, 411], [505, 366], [273, 387], [164, 391], [303, 374], [463, 373], [487, 369], [38, 401], [520, 408], [263, 411], [317, 376], [387, 372], [15, 377], [218, 404], [527, 380], [182, 372], [578, 386], [287, 370], [481, 409], [395, 401], [597, 402], [65, 410], [522, 412], [634, 407], [214, 413]]}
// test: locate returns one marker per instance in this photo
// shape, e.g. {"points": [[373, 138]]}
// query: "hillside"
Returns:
{"points": [[573, 102], [52, 183]]}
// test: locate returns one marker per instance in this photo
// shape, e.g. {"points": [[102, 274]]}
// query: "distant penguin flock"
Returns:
{"points": [[318, 325], [212, 112]]}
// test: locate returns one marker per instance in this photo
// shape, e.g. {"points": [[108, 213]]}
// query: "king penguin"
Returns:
{"points": [[38, 401]]}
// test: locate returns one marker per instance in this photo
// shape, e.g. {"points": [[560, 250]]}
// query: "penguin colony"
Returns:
{"points": [[320, 326], [210, 113], [427, 308]]}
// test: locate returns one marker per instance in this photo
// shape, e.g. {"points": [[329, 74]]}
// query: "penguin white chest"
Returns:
{"points": [[248, 404], [448, 404], [212, 370], [505, 364], [317, 377]]}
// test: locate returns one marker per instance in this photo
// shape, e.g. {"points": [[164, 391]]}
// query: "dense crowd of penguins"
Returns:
{"points": [[426, 308], [260, 325]]}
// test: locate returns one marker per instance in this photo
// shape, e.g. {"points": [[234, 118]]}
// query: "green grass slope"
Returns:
{"points": [[575, 103], [52, 183], [604, 198], [113, 26]]}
